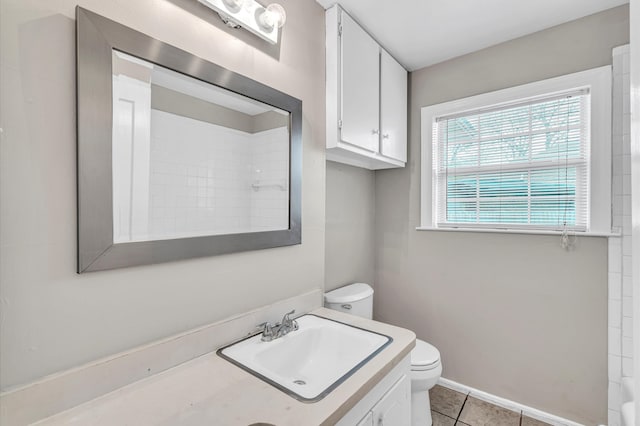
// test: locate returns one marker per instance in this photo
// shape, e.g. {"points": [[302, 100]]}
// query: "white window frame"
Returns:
{"points": [[597, 80]]}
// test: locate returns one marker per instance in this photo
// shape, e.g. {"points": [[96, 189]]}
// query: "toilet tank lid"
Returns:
{"points": [[349, 293]]}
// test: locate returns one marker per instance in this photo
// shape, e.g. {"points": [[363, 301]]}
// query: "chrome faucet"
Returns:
{"points": [[267, 331], [287, 324], [271, 332]]}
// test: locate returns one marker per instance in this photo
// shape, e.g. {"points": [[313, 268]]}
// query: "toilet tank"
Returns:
{"points": [[354, 299]]}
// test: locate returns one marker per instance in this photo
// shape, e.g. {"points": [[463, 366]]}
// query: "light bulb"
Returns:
{"points": [[278, 14], [274, 15], [234, 5]]}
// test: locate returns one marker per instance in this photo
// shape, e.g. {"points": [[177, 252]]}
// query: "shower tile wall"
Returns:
{"points": [[620, 289], [210, 179]]}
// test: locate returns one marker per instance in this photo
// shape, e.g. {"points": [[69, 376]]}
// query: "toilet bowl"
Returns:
{"points": [[426, 367]]}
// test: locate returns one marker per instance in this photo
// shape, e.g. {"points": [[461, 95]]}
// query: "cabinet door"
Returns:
{"points": [[359, 88], [367, 421], [393, 108], [394, 409]]}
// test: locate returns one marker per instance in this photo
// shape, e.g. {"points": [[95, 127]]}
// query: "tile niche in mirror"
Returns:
{"points": [[178, 157], [193, 159]]}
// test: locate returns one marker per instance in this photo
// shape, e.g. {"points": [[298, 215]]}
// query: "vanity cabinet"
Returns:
{"points": [[366, 98], [387, 404], [394, 408], [367, 421]]}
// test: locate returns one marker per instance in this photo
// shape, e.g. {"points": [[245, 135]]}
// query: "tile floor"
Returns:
{"points": [[451, 408]]}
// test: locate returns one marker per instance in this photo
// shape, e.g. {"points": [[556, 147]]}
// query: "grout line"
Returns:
{"points": [[462, 407], [442, 414]]}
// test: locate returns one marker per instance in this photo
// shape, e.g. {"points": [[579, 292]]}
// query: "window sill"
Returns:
{"points": [[518, 231]]}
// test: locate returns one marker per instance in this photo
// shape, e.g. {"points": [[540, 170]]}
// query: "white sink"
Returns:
{"points": [[310, 362]]}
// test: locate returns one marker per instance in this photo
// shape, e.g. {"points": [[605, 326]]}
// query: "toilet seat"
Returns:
{"points": [[424, 356]]}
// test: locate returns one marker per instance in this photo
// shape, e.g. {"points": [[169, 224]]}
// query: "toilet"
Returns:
{"points": [[426, 368]]}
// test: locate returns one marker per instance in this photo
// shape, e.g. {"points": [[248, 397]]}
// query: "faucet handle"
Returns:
{"points": [[267, 329], [286, 319], [265, 325], [288, 322]]}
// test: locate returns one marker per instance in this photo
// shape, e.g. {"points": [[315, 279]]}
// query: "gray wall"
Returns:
{"points": [[168, 100], [513, 315], [177, 103], [54, 319], [350, 233]]}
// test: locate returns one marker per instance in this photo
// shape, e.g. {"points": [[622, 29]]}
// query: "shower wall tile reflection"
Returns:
{"points": [[211, 179], [193, 159]]}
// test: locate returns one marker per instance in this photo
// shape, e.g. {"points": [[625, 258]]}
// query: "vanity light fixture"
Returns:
{"points": [[264, 22]]}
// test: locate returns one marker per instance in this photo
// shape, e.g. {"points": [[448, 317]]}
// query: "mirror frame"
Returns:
{"points": [[96, 37]]}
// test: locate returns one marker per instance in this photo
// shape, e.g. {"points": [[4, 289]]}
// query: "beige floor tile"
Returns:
{"points": [[446, 401], [480, 413], [441, 419], [528, 421]]}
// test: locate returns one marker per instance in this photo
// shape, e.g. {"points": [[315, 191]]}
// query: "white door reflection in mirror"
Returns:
{"points": [[192, 159]]}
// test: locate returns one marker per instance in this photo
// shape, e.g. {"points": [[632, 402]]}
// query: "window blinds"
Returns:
{"points": [[522, 165]]}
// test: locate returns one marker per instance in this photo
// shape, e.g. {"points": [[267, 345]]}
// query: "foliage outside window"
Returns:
{"points": [[522, 165]]}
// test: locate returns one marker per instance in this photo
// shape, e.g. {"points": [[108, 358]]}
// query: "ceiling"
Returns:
{"points": [[419, 33]]}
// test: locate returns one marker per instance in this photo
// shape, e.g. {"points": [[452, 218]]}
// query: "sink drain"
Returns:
{"points": [[299, 382]]}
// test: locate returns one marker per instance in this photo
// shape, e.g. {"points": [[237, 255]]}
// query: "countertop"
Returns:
{"points": [[209, 390]]}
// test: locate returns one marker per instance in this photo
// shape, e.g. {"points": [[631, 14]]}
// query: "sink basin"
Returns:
{"points": [[310, 362]]}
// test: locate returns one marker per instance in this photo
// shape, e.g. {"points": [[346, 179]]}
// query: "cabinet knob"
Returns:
{"points": [[375, 132], [385, 136]]}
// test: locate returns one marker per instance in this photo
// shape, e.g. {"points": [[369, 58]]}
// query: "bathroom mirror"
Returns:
{"points": [[178, 157]]}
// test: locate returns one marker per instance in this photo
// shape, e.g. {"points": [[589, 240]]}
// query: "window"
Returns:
{"points": [[535, 157], [524, 165]]}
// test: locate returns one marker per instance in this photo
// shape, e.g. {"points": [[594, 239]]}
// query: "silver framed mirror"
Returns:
{"points": [[178, 157]]}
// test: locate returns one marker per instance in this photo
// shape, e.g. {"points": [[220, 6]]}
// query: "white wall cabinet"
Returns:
{"points": [[360, 97], [366, 98], [393, 108]]}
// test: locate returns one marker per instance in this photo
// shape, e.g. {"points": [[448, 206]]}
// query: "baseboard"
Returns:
{"points": [[508, 404]]}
